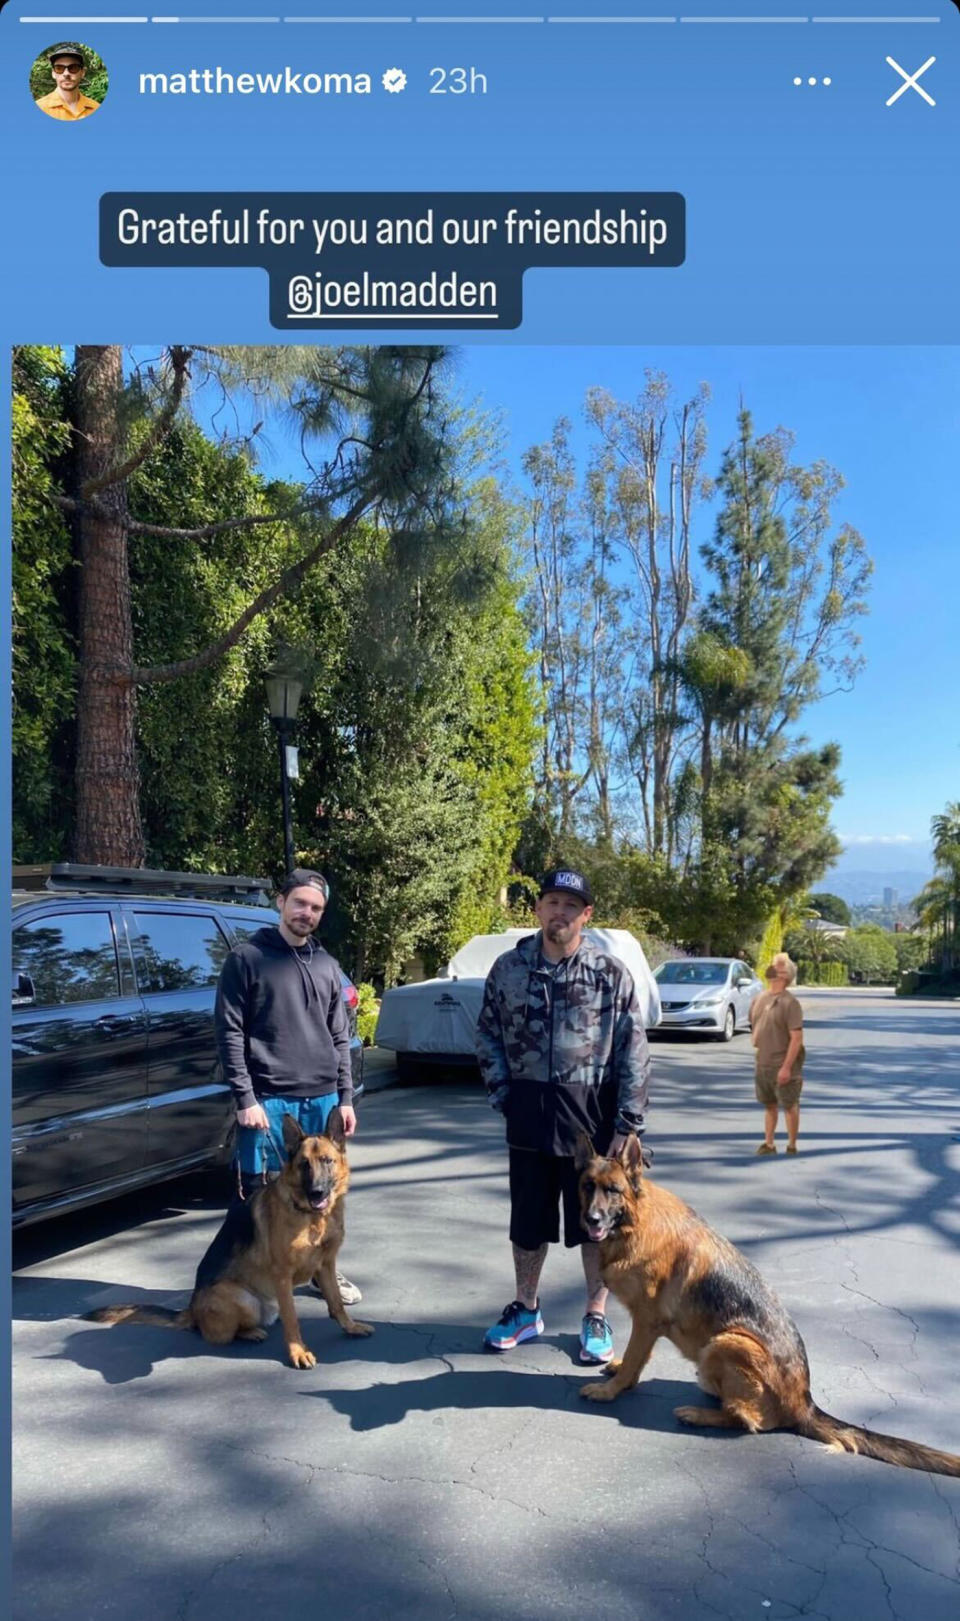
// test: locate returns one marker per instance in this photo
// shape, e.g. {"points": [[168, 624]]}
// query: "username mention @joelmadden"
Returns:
{"points": [[401, 253]]}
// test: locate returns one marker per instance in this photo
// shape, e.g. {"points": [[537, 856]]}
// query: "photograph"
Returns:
{"points": [[517, 783], [68, 81]]}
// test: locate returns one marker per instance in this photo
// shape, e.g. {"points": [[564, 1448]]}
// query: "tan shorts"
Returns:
{"points": [[769, 1091]]}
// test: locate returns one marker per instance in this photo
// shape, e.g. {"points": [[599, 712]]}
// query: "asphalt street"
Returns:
{"points": [[411, 1477]]}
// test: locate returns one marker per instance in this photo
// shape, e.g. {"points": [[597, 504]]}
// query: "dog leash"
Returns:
{"points": [[281, 1158]]}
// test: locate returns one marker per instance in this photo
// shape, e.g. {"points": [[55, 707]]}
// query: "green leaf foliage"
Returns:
{"points": [[825, 973], [420, 719], [418, 762], [771, 942], [830, 907], [870, 955], [706, 672], [44, 664], [912, 951], [368, 1011]]}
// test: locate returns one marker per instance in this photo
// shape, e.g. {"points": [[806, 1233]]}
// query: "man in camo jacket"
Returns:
{"points": [[562, 1049]]}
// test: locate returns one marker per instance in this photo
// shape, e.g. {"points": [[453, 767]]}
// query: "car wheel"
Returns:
{"points": [[729, 1025], [406, 1068]]}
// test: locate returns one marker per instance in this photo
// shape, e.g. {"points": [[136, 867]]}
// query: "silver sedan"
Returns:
{"points": [[711, 994]]}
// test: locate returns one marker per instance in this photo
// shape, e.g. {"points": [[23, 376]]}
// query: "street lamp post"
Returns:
{"points": [[283, 698]]}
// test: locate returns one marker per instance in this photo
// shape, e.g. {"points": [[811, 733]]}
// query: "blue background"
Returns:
{"points": [[814, 214]]}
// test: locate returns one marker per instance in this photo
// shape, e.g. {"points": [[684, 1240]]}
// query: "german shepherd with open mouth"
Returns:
{"points": [[286, 1234], [680, 1279]]}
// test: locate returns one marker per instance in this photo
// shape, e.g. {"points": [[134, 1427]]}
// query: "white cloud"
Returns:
{"points": [[880, 838]]}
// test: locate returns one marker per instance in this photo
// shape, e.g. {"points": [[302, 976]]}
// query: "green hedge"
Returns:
{"points": [[927, 982], [829, 973]]}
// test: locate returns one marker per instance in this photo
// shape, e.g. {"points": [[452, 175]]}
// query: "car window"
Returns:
{"points": [[670, 971], [243, 925], [692, 973], [70, 957], [179, 951]]}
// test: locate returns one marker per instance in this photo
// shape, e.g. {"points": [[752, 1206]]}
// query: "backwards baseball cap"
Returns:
{"points": [[305, 878], [574, 883]]}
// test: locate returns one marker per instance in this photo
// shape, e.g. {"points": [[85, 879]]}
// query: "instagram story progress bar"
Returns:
{"points": [[502, 20]]}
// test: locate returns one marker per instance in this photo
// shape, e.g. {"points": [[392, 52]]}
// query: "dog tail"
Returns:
{"points": [[841, 1437], [155, 1316]]}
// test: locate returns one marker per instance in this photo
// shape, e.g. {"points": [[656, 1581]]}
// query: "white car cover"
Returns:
{"points": [[439, 1016]]}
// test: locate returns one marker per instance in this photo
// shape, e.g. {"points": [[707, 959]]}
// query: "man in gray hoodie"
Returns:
{"points": [[282, 1034]]}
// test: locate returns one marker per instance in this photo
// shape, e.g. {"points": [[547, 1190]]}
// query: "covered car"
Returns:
{"points": [[435, 1020]]}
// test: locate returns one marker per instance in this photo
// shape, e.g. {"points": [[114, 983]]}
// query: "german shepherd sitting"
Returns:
{"points": [[286, 1234], [680, 1279]]}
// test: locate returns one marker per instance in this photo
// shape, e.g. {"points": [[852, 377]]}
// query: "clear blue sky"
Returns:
{"points": [[889, 420]]}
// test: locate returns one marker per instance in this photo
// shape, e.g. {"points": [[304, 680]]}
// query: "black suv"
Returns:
{"points": [[115, 1074]]}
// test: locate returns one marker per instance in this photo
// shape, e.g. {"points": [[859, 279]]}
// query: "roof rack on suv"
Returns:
{"points": [[68, 875]]}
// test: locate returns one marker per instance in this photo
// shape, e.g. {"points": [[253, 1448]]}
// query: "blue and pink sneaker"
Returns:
{"points": [[515, 1324], [596, 1338]]}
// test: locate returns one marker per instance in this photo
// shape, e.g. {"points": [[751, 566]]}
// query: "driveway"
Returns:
{"points": [[411, 1477]]}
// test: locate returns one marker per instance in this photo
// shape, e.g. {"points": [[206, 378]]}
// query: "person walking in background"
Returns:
{"points": [[563, 1051], [776, 1025], [283, 1037]]}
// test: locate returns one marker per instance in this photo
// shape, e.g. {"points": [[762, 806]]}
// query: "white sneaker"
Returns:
{"points": [[349, 1293]]}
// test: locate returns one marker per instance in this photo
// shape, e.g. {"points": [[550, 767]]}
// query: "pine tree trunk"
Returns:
{"points": [[107, 827]]}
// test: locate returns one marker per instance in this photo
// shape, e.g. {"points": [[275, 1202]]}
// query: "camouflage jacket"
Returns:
{"points": [[563, 1053]]}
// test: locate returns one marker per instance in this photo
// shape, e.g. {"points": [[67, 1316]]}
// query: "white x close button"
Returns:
{"points": [[910, 81]]}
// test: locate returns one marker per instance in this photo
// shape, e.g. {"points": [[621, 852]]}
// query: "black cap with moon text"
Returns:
{"points": [[572, 883]]}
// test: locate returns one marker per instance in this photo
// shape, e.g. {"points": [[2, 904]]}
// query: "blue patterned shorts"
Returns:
{"points": [[262, 1152]]}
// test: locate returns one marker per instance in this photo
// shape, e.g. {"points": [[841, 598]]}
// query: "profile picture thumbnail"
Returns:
{"points": [[68, 81]]}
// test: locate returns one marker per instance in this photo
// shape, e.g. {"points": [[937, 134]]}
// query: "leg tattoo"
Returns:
{"points": [[528, 1264]]}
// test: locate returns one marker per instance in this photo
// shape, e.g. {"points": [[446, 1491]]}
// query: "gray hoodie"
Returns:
{"points": [[281, 1025]]}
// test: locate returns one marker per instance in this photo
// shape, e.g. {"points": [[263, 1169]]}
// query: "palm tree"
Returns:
{"points": [[822, 945], [815, 946], [938, 904], [933, 908], [945, 831]]}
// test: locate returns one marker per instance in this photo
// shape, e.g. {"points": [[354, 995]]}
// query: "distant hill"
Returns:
{"points": [[864, 887]]}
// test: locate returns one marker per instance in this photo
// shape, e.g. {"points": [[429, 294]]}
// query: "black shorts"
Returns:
{"points": [[538, 1185]]}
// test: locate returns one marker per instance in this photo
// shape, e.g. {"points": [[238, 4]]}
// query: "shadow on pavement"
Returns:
{"points": [[691, 1527], [506, 1388]]}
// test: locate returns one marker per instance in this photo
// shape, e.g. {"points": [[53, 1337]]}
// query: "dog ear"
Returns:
{"points": [[631, 1158], [334, 1127], [585, 1152], [293, 1134]]}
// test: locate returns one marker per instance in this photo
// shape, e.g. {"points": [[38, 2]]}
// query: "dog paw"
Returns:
{"points": [[358, 1330], [598, 1393], [613, 1366], [688, 1415], [300, 1357]]}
